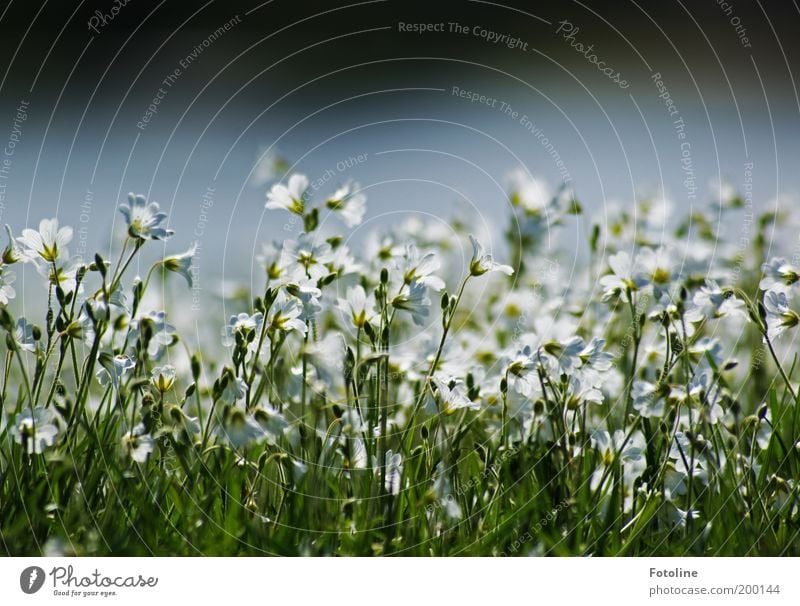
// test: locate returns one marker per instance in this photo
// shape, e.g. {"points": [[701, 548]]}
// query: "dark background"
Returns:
{"points": [[324, 81]]}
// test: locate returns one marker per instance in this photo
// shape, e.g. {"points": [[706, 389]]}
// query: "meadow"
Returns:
{"points": [[421, 393]]}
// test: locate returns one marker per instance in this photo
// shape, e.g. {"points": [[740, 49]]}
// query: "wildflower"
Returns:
{"points": [[521, 374], [711, 301], [23, 335], [284, 314], [289, 198], [358, 306], [182, 263], [593, 356], [160, 332], [778, 275], [162, 378], [234, 390], [654, 267], [419, 269], [451, 395], [241, 324], [647, 399], [394, 472], [34, 431], [779, 316], [114, 369], [143, 219], [137, 444], [12, 253], [482, 262], [308, 253], [61, 272], [48, 242], [7, 291], [272, 422], [180, 420], [241, 429], [350, 203], [622, 279], [415, 301], [630, 451]]}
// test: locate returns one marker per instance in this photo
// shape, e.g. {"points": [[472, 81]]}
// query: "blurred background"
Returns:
{"points": [[194, 103]]}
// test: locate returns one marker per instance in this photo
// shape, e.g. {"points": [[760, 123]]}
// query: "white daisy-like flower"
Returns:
{"points": [[12, 253], [394, 472], [138, 444], [780, 316], [163, 333], [521, 372], [483, 263], [241, 323], [289, 197], [235, 389], [358, 306], [47, 243], [712, 301], [419, 268], [61, 272], [622, 279], [778, 275], [350, 203], [450, 392], [114, 369], [646, 399], [285, 314], [182, 263], [241, 429], [7, 278], [144, 219], [308, 252], [414, 299], [23, 335], [34, 431]]}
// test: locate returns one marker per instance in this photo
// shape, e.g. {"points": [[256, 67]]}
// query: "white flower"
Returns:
{"points": [[521, 372], [23, 335], [272, 422], [394, 472], [289, 198], [114, 369], [308, 253], [162, 378], [415, 301], [61, 272], [48, 242], [143, 219], [646, 399], [12, 253], [778, 275], [655, 267], [284, 314], [163, 334], [235, 389], [622, 278], [779, 316], [419, 269], [7, 291], [358, 305], [350, 203], [711, 301], [240, 429], [182, 263], [451, 394], [482, 262], [34, 431], [594, 357], [137, 444], [242, 324]]}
